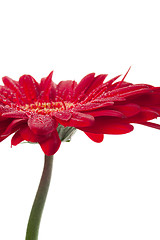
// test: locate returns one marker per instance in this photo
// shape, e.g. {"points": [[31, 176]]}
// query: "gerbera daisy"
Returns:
{"points": [[48, 113]]}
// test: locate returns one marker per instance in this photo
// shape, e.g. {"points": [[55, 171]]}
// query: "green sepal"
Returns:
{"points": [[65, 133]]}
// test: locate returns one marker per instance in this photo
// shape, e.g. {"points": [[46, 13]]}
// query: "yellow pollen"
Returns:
{"points": [[46, 107]]}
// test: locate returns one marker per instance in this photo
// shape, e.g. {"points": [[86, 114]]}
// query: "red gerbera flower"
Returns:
{"points": [[48, 113]]}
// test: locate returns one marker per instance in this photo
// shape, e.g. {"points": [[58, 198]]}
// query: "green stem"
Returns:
{"points": [[39, 202]]}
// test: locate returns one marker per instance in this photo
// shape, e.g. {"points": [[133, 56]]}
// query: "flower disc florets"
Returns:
{"points": [[48, 113], [46, 107]]}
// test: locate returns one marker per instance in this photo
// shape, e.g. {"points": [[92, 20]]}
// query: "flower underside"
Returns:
{"points": [[45, 112]]}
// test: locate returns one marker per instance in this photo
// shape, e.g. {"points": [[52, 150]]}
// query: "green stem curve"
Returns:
{"points": [[39, 202]]}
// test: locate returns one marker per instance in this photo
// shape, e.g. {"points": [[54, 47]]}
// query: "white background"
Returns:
{"points": [[107, 191]]}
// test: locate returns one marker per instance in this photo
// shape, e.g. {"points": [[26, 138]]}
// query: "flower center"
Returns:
{"points": [[46, 107]]}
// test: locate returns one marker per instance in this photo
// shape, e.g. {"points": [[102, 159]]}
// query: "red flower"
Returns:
{"points": [[41, 112]]}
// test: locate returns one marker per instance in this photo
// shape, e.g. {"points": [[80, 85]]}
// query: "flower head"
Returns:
{"points": [[47, 113]]}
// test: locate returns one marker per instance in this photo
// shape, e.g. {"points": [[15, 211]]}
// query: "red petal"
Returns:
{"points": [[101, 89], [13, 85], [112, 113], [155, 108], [128, 110], [63, 115], [84, 84], [15, 114], [79, 120], [4, 124], [51, 145], [109, 82], [30, 88], [4, 100], [121, 82], [150, 124], [129, 90], [135, 92], [65, 89], [46, 86], [95, 137], [13, 126], [2, 138], [28, 135], [42, 124], [150, 99], [52, 93], [108, 125], [92, 106], [143, 116], [98, 80], [8, 94], [16, 139]]}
